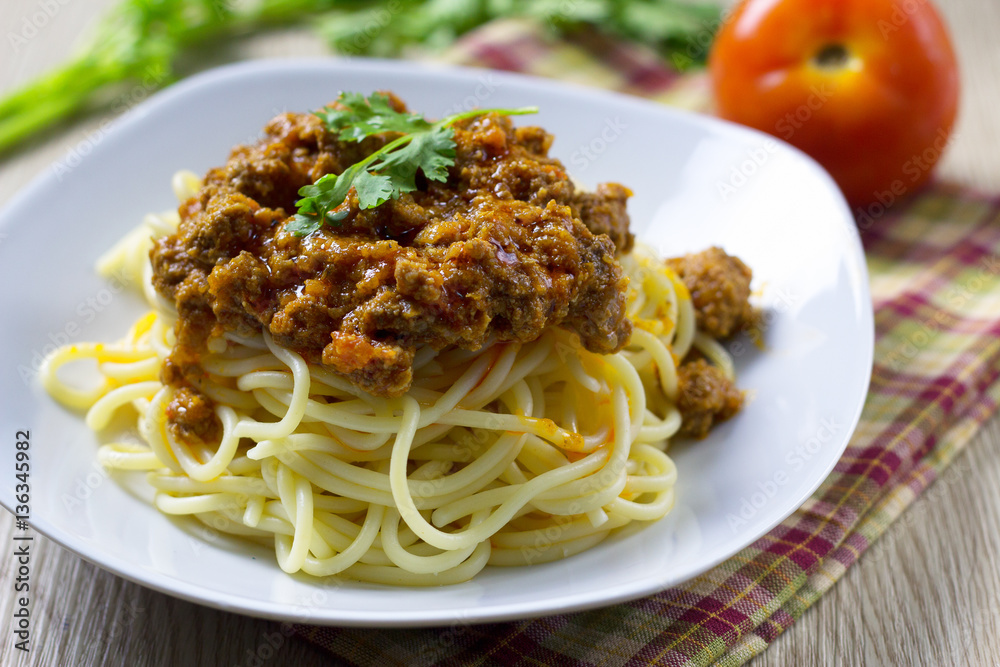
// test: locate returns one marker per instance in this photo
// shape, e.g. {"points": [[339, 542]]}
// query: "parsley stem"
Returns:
{"points": [[451, 120], [389, 147], [444, 122]]}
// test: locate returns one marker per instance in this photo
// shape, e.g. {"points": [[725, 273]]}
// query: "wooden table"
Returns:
{"points": [[927, 593]]}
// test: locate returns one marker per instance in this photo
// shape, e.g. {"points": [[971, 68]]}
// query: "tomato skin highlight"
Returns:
{"points": [[869, 88]]}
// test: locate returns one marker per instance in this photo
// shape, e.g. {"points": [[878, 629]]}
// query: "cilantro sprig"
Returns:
{"points": [[388, 172]]}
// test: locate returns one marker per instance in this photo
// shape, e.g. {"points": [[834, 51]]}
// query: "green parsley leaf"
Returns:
{"points": [[374, 189], [319, 200], [303, 225], [359, 117], [432, 151], [388, 172]]}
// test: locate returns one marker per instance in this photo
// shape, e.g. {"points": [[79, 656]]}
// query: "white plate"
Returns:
{"points": [[697, 182]]}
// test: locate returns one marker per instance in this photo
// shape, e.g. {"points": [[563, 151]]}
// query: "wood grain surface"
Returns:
{"points": [[927, 593]]}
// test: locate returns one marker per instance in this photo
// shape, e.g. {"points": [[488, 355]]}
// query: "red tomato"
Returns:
{"points": [[869, 88]]}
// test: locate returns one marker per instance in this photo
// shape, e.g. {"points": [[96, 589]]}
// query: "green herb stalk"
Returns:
{"points": [[141, 40]]}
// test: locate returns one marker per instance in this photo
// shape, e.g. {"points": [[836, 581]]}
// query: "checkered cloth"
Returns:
{"points": [[935, 279]]}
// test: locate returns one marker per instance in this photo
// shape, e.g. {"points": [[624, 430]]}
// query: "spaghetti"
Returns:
{"points": [[507, 455]]}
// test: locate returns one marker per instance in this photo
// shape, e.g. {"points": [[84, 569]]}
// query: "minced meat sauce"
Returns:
{"points": [[506, 247]]}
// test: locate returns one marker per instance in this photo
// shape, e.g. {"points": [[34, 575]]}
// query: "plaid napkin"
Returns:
{"points": [[935, 277]]}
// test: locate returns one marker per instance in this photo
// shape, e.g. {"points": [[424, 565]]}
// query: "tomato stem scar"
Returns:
{"points": [[832, 56]]}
